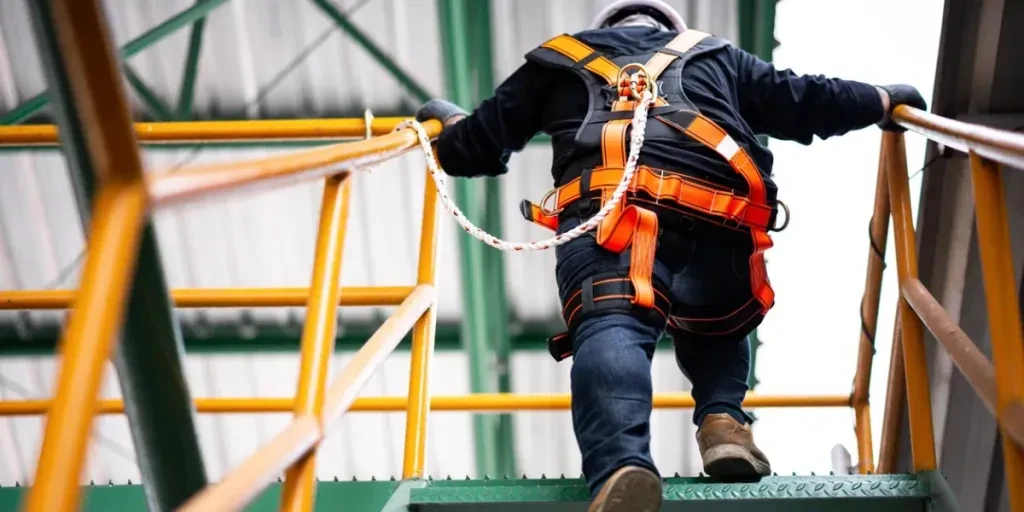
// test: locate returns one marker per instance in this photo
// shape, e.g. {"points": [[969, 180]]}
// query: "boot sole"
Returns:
{"points": [[633, 490], [732, 461]]}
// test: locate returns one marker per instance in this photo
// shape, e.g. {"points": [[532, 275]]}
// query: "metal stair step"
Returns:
{"points": [[818, 493]]}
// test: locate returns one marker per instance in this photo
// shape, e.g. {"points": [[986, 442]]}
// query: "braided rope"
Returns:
{"points": [[639, 124]]}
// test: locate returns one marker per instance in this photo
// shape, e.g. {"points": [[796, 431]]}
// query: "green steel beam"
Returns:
{"points": [[227, 339], [530, 337], [757, 36], [152, 101], [405, 79], [33, 105], [186, 94], [149, 357], [361, 496], [466, 36], [478, 20]]}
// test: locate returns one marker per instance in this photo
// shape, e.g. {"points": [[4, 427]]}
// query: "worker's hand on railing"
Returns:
{"points": [[895, 95], [442, 110]]}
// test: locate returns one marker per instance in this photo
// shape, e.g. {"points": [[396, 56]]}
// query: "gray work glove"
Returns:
{"points": [[900, 94], [441, 110]]}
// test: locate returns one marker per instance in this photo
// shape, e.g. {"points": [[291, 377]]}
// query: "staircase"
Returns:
{"points": [[827, 493], [922, 492]]}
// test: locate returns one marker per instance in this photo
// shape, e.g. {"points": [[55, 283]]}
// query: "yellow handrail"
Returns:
{"points": [[244, 482], [220, 297], [218, 131], [476, 402], [997, 145], [186, 184], [1000, 385]]}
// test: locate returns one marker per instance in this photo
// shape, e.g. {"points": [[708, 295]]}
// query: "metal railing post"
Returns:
{"points": [[319, 332], [922, 433], [1003, 309], [895, 391], [877, 233], [418, 409]]}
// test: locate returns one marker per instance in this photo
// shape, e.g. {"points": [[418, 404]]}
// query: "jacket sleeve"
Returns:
{"points": [[482, 142], [787, 106]]}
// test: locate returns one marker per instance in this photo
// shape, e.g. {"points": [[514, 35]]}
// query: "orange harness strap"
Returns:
{"points": [[665, 187], [577, 51], [628, 225], [713, 136]]}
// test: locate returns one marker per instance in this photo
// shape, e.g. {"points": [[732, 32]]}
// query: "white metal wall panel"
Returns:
{"points": [[267, 238]]}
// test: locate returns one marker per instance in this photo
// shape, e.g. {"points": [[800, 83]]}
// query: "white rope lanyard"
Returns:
{"points": [[639, 124]]}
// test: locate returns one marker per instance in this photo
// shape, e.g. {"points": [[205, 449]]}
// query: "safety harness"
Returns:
{"points": [[614, 92]]}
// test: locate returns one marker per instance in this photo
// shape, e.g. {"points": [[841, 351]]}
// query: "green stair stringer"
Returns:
{"points": [[925, 492]]}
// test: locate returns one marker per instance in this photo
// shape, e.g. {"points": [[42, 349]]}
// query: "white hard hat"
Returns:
{"points": [[656, 9]]}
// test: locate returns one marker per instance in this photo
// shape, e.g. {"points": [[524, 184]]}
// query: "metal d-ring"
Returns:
{"points": [[634, 80], [544, 203], [784, 224]]}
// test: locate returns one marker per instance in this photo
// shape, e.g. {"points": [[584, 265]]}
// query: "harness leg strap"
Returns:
{"points": [[605, 293], [636, 227]]}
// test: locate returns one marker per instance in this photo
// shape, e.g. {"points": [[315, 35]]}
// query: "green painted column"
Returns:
{"points": [[186, 93], [469, 73], [150, 354], [757, 36]]}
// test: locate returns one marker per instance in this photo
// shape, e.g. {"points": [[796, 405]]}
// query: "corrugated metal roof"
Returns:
{"points": [[267, 239]]}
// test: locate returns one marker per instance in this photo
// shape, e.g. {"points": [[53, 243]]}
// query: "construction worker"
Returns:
{"points": [[684, 252]]}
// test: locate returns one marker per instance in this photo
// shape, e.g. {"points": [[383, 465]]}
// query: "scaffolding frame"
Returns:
{"points": [[125, 197]]}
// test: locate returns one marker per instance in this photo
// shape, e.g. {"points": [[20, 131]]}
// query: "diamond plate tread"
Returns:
{"points": [[844, 487]]}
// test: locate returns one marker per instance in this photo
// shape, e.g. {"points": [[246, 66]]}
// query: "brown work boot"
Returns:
{"points": [[728, 449], [630, 489]]}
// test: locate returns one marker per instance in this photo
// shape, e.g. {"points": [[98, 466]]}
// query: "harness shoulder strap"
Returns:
{"points": [[677, 48], [568, 52]]}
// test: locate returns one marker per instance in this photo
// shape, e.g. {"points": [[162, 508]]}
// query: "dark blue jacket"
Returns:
{"points": [[743, 94]]}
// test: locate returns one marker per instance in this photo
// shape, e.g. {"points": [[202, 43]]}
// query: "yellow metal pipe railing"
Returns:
{"points": [[895, 391], [218, 131], [477, 402], [1003, 308], [243, 483], [1000, 388], [186, 184], [319, 332], [220, 297], [418, 407], [998, 145], [113, 237], [964, 353], [878, 231], [922, 433]]}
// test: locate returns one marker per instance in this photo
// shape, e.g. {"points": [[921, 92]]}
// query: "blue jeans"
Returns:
{"points": [[611, 367]]}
